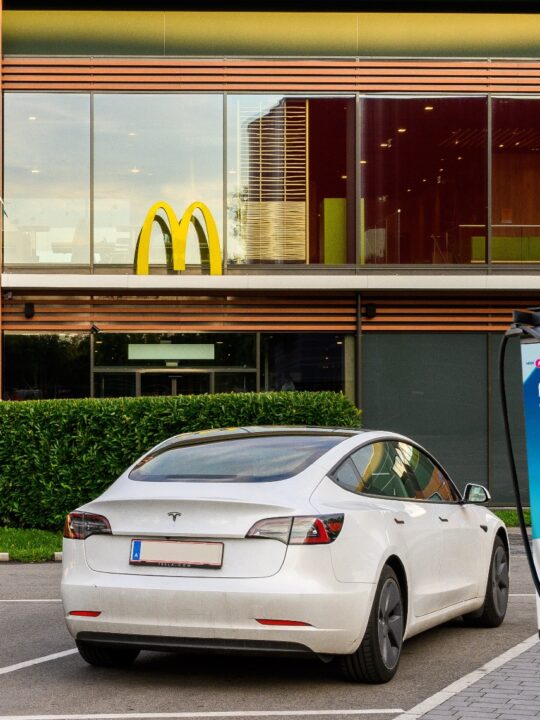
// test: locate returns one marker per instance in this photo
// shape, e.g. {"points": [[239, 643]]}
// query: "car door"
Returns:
{"points": [[384, 474], [462, 538]]}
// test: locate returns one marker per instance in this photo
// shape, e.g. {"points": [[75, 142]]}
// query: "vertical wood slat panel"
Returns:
{"points": [[349, 75]]}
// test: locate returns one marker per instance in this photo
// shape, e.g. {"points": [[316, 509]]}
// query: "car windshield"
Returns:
{"points": [[248, 459]]}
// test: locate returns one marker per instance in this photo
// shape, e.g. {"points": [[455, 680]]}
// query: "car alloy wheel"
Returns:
{"points": [[390, 626], [377, 658]]}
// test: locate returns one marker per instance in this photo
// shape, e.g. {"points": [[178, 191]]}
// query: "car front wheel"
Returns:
{"points": [[492, 612], [104, 656], [377, 658]]}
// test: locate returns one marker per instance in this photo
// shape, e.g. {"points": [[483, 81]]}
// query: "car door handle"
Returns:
{"points": [[443, 519], [399, 522]]}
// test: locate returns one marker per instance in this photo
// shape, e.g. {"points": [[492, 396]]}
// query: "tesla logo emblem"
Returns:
{"points": [[174, 515]]}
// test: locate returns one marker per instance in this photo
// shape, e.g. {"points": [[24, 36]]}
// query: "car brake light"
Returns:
{"points": [[300, 530], [80, 525], [86, 613]]}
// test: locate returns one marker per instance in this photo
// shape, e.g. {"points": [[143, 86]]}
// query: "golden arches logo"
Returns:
{"points": [[175, 233]]}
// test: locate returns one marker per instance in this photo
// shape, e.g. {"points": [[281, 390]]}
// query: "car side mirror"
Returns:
{"points": [[477, 494]]}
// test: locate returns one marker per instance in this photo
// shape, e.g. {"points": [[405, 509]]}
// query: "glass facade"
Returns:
{"points": [[194, 363], [515, 180], [283, 176], [151, 148], [424, 180], [46, 179], [291, 179], [44, 366]]}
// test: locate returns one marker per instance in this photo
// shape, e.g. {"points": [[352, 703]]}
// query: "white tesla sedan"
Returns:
{"points": [[334, 542]]}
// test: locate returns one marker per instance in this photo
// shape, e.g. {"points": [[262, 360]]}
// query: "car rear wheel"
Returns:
{"points": [[492, 612], [377, 658], [104, 656]]}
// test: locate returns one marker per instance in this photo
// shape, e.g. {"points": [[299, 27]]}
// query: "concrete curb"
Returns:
{"points": [[4, 557]]}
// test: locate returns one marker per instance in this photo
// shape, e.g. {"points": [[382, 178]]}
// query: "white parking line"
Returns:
{"points": [[36, 661], [231, 713], [521, 594], [29, 600], [418, 711]]}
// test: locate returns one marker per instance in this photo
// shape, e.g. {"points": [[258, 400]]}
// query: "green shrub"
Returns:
{"points": [[58, 454]]}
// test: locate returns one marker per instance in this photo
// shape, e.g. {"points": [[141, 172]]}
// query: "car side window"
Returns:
{"points": [[376, 466], [346, 476], [423, 478]]}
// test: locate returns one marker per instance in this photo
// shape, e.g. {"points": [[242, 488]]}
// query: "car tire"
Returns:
{"points": [[492, 612], [105, 656], [377, 658]]}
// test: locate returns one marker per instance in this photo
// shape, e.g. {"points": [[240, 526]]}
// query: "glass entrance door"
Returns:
{"points": [[187, 383]]}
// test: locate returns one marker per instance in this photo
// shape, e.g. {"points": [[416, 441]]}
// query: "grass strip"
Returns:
{"points": [[510, 517], [30, 545]]}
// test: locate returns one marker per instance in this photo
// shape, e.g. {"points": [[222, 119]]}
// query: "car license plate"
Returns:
{"points": [[176, 553]]}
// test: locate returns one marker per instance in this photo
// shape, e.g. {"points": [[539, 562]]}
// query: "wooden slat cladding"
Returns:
{"points": [[234, 75], [181, 314], [445, 313]]}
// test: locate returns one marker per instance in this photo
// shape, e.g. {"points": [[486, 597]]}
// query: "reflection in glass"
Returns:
{"points": [[46, 179], [150, 148], [424, 180], [515, 181], [303, 361], [109, 385], [290, 179], [46, 366], [226, 382]]}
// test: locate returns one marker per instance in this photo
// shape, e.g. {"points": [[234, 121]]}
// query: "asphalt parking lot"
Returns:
{"points": [[160, 685]]}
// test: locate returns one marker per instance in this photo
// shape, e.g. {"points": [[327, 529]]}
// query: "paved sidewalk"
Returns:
{"points": [[508, 688]]}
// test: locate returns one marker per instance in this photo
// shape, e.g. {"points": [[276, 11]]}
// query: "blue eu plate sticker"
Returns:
{"points": [[136, 550]]}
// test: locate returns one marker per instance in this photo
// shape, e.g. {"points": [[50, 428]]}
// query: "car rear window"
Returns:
{"points": [[249, 459]]}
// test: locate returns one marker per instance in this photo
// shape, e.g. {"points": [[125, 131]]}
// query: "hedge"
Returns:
{"points": [[58, 454]]}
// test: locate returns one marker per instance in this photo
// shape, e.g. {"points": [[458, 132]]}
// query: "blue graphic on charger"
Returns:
{"points": [[530, 358], [136, 550]]}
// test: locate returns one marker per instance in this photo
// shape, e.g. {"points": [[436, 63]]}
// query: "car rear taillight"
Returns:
{"points": [[301, 530], [80, 525]]}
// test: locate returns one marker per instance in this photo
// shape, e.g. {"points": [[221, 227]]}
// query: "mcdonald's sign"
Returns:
{"points": [[175, 234]]}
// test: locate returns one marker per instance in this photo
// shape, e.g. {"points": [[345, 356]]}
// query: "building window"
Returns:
{"points": [[291, 180], [46, 179], [40, 367], [306, 361], [424, 180], [515, 181], [150, 148]]}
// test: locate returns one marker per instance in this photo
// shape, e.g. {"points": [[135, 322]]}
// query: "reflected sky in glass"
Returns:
{"points": [[47, 178], [151, 147]]}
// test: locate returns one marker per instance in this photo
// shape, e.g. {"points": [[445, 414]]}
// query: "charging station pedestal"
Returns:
{"points": [[530, 364]]}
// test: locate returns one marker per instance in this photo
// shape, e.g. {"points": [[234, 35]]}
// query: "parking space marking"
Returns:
{"points": [[418, 711], [224, 714], [31, 600], [521, 594], [36, 661]]}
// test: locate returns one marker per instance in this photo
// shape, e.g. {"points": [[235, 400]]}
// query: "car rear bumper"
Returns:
{"points": [[180, 613]]}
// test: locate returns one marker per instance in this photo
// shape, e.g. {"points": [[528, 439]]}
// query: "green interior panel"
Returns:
{"points": [[506, 249], [330, 34], [334, 225]]}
